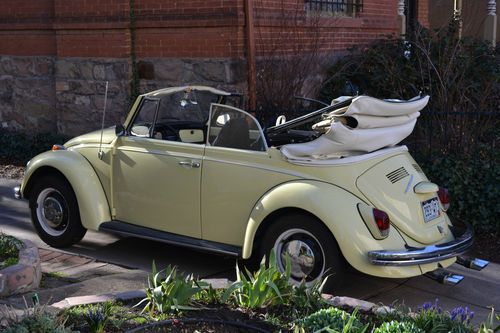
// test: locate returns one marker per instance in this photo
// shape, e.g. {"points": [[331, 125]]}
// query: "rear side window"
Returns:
{"points": [[234, 128]]}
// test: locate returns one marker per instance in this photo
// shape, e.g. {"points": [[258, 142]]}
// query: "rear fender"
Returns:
{"points": [[92, 202], [337, 209]]}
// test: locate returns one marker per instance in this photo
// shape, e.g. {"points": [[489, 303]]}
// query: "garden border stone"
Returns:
{"points": [[23, 276]]}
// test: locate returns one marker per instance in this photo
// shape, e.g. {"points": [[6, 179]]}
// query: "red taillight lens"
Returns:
{"points": [[382, 220], [444, 197]]}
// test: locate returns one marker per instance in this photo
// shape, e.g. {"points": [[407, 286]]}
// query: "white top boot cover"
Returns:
{"points": [[380, 124]]}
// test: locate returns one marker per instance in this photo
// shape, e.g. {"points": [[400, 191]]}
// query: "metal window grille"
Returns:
{"points": [[348, 7]]}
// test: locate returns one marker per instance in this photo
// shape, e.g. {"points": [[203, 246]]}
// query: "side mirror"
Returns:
{"points": [[119, 130]]}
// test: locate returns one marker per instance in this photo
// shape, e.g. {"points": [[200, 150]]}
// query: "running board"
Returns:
{"points": [[472, 263], [444, 277], [128, 229]]}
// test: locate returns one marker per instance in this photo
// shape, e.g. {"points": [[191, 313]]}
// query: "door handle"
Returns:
{"points": [[192, 164]]}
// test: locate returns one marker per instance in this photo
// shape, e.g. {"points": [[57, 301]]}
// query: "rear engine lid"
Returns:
{"points": [[390, 186]]}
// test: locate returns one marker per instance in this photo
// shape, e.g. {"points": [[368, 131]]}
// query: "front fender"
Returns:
{"points": [[337, 209], [92, 202]]}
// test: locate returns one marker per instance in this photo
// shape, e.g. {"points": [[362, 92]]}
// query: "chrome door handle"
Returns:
{"points": [[191, 164]]}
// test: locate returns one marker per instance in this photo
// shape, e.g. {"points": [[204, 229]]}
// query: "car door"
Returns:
{"points": [[237, 171], [156, 179]]}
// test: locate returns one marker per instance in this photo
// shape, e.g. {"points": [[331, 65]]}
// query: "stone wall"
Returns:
{"points": [[225, 74], [80, 85], [27, 95], [45, 94]]}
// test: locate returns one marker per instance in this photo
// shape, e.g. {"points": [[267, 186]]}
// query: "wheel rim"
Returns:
{"points": [[307, 257], [52, 212]]}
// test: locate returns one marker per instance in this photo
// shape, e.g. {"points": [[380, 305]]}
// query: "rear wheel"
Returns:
{"points": [[55, 213], [313, 251]]}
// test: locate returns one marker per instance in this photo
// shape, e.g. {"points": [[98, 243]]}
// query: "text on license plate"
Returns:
{"points": [[430, 209]]}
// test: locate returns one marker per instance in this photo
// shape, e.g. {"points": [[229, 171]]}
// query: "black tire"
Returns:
{"points": [[54, 212], [311, 235]]}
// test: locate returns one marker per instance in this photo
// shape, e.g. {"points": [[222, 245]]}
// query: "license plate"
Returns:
{"points": [[431, 209]]}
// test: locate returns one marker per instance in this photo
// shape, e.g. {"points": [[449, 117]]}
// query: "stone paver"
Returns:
{"points": [[50, 255], [64, 262], [81, 271]]}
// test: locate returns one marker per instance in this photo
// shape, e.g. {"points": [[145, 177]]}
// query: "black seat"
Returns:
{"points": [[234, 134]]}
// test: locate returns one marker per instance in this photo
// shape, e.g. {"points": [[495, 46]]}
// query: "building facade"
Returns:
{"points": [[56, 55], [478, 17]]}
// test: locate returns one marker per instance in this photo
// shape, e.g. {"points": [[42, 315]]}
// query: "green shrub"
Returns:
{"points": [[473, 184], [39, 323], [265, 287], [489, 325], [398, 327], [170, 291], [333, 320], [18, 148], [106, 317], [9, 250], [431, 318], [306, 299], [97, 317]]}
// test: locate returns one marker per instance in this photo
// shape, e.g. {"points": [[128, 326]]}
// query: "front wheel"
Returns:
{"points": [[313, 252], [55, 213]]}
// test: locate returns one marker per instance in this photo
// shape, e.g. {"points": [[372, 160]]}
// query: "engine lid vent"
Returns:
{"points": [[397, 175], [418, 168]]}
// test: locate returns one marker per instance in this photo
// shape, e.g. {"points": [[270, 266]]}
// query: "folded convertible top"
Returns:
{"points": [[366, 125]]}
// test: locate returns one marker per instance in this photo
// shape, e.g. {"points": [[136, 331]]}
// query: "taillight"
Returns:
{"points": [[376, 220], [382, 221], [444, 197]]}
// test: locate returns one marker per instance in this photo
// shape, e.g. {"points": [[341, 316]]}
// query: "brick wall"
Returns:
{"points": [[65, 50], [423, 13]]}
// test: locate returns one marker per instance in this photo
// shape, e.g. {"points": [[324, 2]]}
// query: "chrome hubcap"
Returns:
{"points": [[305, 252], [52, 212], [301, 257]]}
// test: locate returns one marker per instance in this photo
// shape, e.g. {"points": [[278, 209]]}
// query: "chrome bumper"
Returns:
{"points": [[17, 192], [424, 255]]}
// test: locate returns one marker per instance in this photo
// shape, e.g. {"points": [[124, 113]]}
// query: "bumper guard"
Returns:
{"points": [[424, 255]]}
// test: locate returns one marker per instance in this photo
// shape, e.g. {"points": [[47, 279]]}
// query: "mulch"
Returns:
{"points": [[10, 171]]}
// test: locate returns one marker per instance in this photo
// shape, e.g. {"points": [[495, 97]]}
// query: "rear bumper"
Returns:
{"points": [[424, 255]]}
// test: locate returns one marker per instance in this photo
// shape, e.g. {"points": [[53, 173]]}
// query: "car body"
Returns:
{"points": [[179, 171]]}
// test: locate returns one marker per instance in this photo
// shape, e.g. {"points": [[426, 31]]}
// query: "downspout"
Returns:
{"points": [[250, 36]]}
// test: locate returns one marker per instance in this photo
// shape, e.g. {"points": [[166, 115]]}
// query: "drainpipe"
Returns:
{"points": [[457, 15], [490, 23], [250, 34], [402, 18]]}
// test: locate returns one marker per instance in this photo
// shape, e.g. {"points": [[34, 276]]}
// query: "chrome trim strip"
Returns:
{"points": [[424, 255], [161, 152]]}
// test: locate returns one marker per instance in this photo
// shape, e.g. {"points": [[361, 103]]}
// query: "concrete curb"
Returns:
{"points": [[23, 276], [93, 299]]}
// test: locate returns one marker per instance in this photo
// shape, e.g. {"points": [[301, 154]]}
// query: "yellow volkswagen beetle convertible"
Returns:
{"points": [[187, 168]]}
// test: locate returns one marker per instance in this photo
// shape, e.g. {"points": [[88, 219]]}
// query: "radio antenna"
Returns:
{"points": [[100, 154]]}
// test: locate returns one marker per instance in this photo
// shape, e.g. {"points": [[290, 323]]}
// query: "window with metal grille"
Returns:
{"points": [[346, 7]]}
